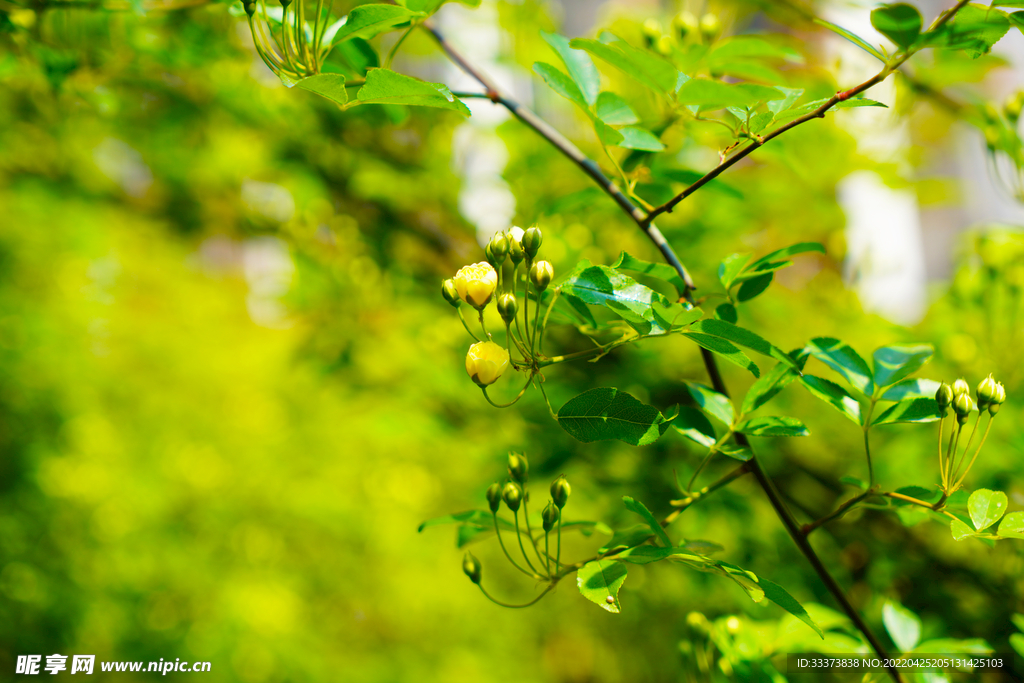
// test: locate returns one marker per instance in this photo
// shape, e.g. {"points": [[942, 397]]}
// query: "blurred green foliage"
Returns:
{"points": [[230, 390]]}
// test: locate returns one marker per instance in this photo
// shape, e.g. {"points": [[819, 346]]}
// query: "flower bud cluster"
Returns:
{"points": [[481, 283]]}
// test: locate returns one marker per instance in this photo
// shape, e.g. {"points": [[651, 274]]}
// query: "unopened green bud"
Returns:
{"points": [[652, 32], [450, 292], [532, 239], [515, 245], [998, 397], [250, 8], [961, 387], [518, 467], [986, 392], [285, 3], [549, 515], [560, 491], [944, 396], [698, 624], [1013, 106], [507, 307], [512, 495], [494, 497], [664, 46], [685, 24], [962, 406], [472, 567], [710, 27], [496, 250], [541, 274]]}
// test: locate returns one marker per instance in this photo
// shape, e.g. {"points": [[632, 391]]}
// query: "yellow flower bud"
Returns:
{"points": [[485, 362], [450, 293], [541, 274], [961, 387], [471, 566], [986, 392], [710, 27], [476, 283], [684, 24]]}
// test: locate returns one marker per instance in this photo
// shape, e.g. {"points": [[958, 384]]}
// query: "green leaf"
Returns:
{"points": [[608, 413], [431, 6], [764, 389], [725, 349], [580, 66], [329, 86], [638, 138], [1017, 19], [778, 106], [642, 308], [786, 252], [911, 388], [354, 55], [608, 136], [853, 38], [740, 453], [730, 267], [893, 363], [773, 425], [600, 580], [726, 312], [834, 395], [986, 508], [854, 481], [366, 21], [693, 424], [900, 23], [1017, 639], [560, 83], [662, 271], [641, 66], [639, 508], [743, 337], [712, 402], [384, 86], [783, 599], [841, 357], [1012, 526], [754, 286], [960, 530], [855, 102], [974, 29], [717, 94], [903, 625], [628, 538], [614, 110], [751, 46], [910, 410]]}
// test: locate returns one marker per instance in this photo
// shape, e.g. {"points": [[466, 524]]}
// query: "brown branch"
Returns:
{"points": [[817, 113]]}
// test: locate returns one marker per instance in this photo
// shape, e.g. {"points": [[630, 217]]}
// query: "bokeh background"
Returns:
{"points": [[230, 390]]}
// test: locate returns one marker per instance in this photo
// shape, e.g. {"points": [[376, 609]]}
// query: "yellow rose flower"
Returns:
{"points": [[476, 283], [485, 362]]}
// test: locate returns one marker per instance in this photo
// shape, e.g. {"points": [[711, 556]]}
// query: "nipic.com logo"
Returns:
{"points": [[86, 664]]}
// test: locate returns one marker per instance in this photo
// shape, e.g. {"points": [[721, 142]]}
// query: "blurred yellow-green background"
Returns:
{"points": [[230, 390]]}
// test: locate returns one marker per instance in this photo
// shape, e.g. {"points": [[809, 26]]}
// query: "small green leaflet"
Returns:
{"points": [[759, 587], [911, 388], [903, 625], [640, 65], [841, 357], [743, 337], [608, 413], [613, 110], [581, 68], [642, 308], [724, 349], [1012, 526], [639, 138], [893, 363], [960, 530], [366, 21], [900, 23], [910, 410], [560, 83], [764, 389], [599, 581], [753, 287], [384, 86], [692, 424], [853, 38], [986, 508], [772, 425], [730, 267], [718, 94], [662, 271], [726, 312], [641, 509], [712, 402], [329, 86], [834, 395]]}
